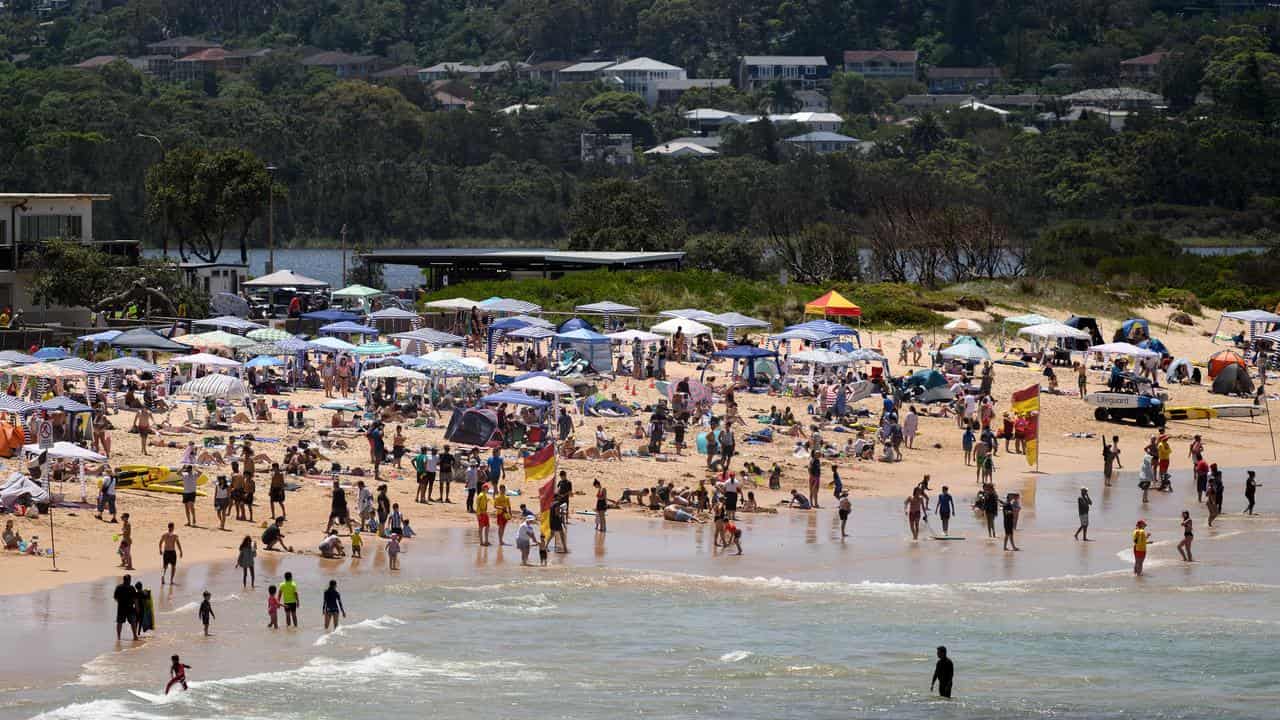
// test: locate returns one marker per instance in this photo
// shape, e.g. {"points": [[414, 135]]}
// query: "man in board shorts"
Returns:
{"points": [[170, 551], [189, 481]]}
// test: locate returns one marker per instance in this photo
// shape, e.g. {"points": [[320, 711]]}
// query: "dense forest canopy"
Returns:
{"points": [[385, 160]]}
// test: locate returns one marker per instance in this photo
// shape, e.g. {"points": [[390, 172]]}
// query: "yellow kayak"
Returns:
{"points": [[153, 478], [1190, 413]]}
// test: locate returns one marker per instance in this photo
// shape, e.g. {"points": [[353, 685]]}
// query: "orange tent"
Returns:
{"points": [[1223, 358], [833, 303]]}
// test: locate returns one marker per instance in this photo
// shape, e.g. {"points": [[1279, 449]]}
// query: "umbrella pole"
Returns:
{"points": [[1270, 428]]}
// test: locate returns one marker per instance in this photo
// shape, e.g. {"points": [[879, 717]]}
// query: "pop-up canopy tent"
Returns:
{"points": [[331, 316], [827, 327], [146, 339], [509, 305], [228, 322], [749, 355], [833, 303], [284, 278], [687, 314], [592, 346], [347, 327], [574, 324], [731, 321], [607, 308], [355, 292], [685, 326], [1258, 321]]}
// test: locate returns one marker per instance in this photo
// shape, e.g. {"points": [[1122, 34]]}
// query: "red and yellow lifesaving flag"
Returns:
{"points": [[541, 463], [1026, 403], [546, 501]]}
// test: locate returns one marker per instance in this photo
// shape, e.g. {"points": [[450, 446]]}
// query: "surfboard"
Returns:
{"points": [[947, 537], [1190, 413], [150, 697], [1240, 410]]}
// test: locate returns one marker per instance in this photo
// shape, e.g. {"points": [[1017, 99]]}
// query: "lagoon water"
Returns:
{"points": [[651, 622]]}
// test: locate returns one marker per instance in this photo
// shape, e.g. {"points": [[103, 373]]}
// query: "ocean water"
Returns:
{"points": [[650, 621]]}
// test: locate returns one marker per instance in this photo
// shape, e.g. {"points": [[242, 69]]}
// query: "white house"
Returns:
{"points": [[641, 76], [820, 121], [822, 142], [681, 149], [797, 71]]}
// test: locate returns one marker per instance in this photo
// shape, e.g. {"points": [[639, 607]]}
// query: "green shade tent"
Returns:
{"points": [[268, 335], [356, 292]]}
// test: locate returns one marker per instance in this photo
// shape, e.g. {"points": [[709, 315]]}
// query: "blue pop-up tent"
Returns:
{"points": [[592, 346], [749, 354]]}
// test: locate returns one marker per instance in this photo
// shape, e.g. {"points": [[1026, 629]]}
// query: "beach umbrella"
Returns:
{"points": [[264, 361], [446, 356], [865, 355], [393, 313], [52, 353], [509, 305], [330, 344], [216, 386], [833, 303], [100, 337], [1029, 319], [292, 345], [205, 360], [966, 351], [375, 348], [735, 320], [698, 393], [262, 348], [75, 363], [813, 336], [267, 335], [963, 325], [215, 339], [532, 332], [542, 384], [14, 357]]}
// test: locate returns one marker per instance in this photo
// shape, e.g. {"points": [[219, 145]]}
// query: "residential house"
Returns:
{"points": [[821, 142], [800, 72], [398, 72], [944, 80], [882, 64], [641, 76], [27, 220], [822, 122], [669, 91], [215, 277], [1117, 98], [681, 149], [211, 61], [705, 120], [239, 60], [1144, 67], [159, 67], [448, 101], [181, 46], [1024, 101], [546, 72], [482, 72], [590, 71], [344, 65], [97, 62], [1115, 119], [919, 103], [607, 148]]}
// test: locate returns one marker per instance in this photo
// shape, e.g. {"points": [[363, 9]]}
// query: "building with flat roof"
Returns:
{"points": [[882, 64], [450, 266], [801, 72]]}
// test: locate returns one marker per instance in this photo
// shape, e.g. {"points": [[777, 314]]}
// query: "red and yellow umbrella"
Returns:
{"points": [[833, 303]]}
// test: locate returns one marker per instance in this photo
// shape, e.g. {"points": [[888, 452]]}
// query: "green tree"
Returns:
{"points": [[1181, 74], [207, 198], [620, 112], [852, 94], [617, 214], [73, 274]]}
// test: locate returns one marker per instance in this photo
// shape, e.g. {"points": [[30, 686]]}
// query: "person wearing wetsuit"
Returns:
{"points": [[943, 673], [332, 605], [946, 508]]}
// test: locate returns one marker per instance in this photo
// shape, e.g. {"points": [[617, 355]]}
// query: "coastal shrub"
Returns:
{"points": [[1184, 300], [1228, 298]]}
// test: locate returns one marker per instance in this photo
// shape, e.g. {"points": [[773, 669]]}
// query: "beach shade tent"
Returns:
{"points": [[292, 345], [85, 366], [393, 372], [130, 363], [1156, 345], [427, 336], [968, 352], [371, 349], [393, 313], [822, 357], [512, 397], [698, 393], [1122, 348], [15, 486], [347, 327], [1259, 322], [354, 292], [687, 314], [446, 356], [532, 332], [214, 340], [1133, 330], [1028, 319], [749, 355], [331, 316], [833, 303], [592, 346], [685, 326], [1089, 325], [828, 327], [267, 335], [809, 336], [205, 360], [284, 278], [459, 303], [731, 321], [630, 336], [17, 406], [265, 348], [216, 386], [541, 384], [509, 305], [48, 371], [51, 353], [1222, 359], [147, 339], [263, 361], [964, 326], [228, 322], [1233, 380], [1054, 331], [574, 324], [474, 426], [1177, 370], [13, 357], [330, 345], [927, 386], [64, 451]]}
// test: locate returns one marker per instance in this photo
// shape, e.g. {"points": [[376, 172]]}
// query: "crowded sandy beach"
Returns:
{"points": [[614, 473]]}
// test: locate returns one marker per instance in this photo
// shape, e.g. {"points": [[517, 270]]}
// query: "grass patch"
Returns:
{"points": [[883, 304]]}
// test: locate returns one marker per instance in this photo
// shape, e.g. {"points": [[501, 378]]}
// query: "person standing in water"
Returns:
{"points": [[946, 508], [170, 551], [1140, 539], [177, 674], [943, 673], [914, 507], [289, 598], [845, 508], [1250, 492], [1083, 503], [1110, 459], [332, 605], [1011, 508], [1184, 547], [206, 612]]}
